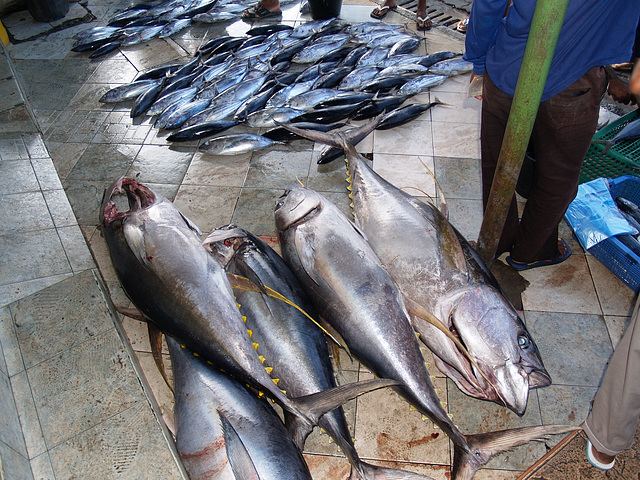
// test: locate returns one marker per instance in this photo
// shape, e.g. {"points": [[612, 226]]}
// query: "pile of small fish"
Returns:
{"points": [[262, 319], [317, 74], [155, 18]]}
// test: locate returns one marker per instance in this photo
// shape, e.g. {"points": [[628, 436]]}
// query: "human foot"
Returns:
{"points": [[599, 460], [381, 11], [423, 22], [262, 10], [564, 252]]}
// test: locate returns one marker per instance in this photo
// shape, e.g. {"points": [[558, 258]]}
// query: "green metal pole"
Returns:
{"points": [[541, 45]]}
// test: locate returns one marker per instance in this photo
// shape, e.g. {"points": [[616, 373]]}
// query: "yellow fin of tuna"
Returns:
{"points": [[243, 283]]}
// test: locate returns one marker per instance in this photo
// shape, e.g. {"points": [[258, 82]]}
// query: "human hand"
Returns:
{"points": [[619, 89], [634, 83], [475, 86]]}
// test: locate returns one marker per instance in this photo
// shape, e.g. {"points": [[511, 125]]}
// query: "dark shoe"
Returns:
{"points": [[520, 266], [381, 12], [258, 11]]}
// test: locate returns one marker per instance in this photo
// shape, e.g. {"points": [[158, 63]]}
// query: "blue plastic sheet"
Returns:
{"points": [[593, 214]]}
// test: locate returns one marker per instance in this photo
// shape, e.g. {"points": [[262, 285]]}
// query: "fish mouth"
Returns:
{"points": [[484, 386], [295, 206], [538, 378], [223, 233], [138, 195], [223, 242], [499, 365]]}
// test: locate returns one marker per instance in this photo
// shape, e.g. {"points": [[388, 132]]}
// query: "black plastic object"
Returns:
{"points": [[324, 9], [48, 10]]}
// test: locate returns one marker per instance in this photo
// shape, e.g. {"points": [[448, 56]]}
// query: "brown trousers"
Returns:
{"points": [[613, 420], [559, 141]]}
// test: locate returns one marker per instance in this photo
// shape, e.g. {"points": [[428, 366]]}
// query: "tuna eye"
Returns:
{"points": [[524, 341], [227, 243]]}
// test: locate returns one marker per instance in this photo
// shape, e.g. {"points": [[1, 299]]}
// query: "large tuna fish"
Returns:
{"points": [[435, 267], [176, 284], [223, 431], [294, 349], [354, 293]]}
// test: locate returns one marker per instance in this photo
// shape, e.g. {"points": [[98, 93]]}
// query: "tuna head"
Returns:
{"points": [[223, 242], [138, 196], [295, 205], [500, 346], [124, 228]]}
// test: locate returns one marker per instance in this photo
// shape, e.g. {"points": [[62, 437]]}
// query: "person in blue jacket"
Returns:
{"points": [[594, 34]]}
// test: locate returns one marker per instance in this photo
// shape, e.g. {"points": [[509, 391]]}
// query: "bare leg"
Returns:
{"points": [[271, 5], [423, 22]]}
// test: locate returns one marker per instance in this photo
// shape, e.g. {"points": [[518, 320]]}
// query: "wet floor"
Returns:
{"points": [[69, 372]]}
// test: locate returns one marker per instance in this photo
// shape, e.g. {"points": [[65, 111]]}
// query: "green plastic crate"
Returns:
{"points": [[621, 159]]}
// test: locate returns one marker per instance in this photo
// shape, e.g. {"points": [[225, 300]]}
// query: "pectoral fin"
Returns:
{"points": [[243, 283], [155, 340]]}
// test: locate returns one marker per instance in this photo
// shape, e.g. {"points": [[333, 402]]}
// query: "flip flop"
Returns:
{"points": [[595, 462], [462, 25], [381, 12], [421, 23], [520, 266], [258, 11]]}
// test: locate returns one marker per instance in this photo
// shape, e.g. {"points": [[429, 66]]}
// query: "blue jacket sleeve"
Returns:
{"points": [[484, 19]]}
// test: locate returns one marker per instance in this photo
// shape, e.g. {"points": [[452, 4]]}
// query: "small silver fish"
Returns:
{"points": [[421, 84], [236, 143], [128, 91], [452, 67]]}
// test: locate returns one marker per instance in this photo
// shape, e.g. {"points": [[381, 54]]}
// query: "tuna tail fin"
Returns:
{"points": [[483, 446], [607, 144], [333, 139], [373, 472], [317, 404]]}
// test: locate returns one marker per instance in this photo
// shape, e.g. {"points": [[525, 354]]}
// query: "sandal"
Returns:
{"points": [[520, 266], [462, 25], [424, 23], [381, 12], [258, 11]]}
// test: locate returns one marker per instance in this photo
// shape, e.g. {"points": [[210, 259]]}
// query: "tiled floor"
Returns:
{"points": [[576, 311]]}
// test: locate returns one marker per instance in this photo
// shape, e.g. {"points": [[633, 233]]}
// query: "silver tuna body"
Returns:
{"points": [[354, 293], [223, 431], [174, 281], [294, 349], [434, 266]]}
